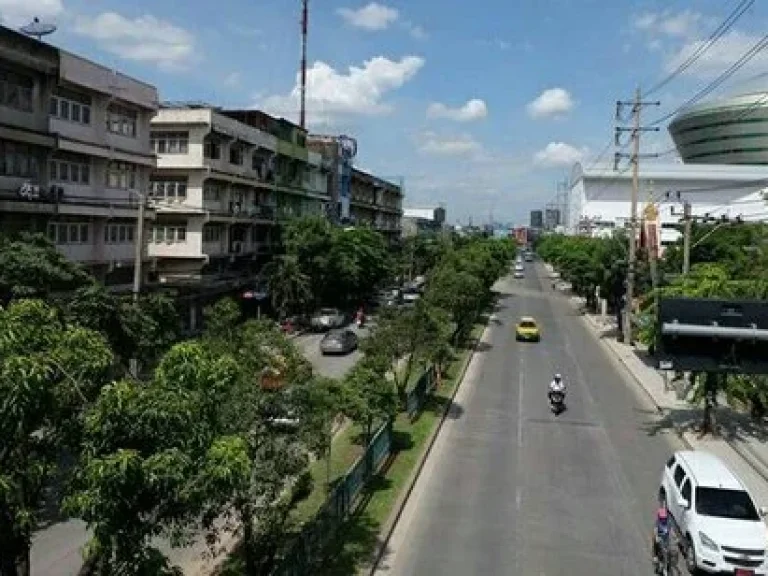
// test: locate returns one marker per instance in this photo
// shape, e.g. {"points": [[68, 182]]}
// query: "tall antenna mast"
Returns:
{"points": [[304, 26]]}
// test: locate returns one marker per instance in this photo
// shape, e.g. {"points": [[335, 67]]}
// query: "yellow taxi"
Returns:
{"points": [[528, 330]]}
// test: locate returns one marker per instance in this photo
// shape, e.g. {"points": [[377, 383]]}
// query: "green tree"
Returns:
{"points": [[250, 473], [309, 240], [408, 337], [49, 372], [370, 397], [359, 263], [144, 449], [289, 285], [459, 293], [30, 266]]}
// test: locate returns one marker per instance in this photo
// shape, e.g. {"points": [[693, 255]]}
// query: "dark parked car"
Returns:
{"points": [[339, 342]]}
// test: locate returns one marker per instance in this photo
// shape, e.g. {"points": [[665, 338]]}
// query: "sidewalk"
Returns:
{"points": [[742, 442]]}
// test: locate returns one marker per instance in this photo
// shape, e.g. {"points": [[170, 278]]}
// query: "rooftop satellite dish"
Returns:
{"points": [[38, 29]]}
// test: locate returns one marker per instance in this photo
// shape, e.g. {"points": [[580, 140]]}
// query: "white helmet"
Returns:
{"points": [[558, 377]]}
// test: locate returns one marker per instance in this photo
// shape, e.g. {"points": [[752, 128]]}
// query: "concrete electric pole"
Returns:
{"points": [[687, 221], [304, 30], [636, 130]]}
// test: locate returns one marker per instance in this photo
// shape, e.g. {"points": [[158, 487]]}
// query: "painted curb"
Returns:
{"points": [[394, 516]]}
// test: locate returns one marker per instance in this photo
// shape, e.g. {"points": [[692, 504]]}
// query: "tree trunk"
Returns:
{"points": [[249, 543]]}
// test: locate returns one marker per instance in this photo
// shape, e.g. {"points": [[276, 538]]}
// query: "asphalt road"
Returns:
{"points": [[509, 488], [56, 547], [331, 366]]}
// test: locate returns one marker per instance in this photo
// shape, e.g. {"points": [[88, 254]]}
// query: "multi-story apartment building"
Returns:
{"points": [[358, 197], [75, 156], [377, 203], [223, 180]]}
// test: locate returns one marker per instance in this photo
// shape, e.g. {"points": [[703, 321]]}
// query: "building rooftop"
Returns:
{"points": [[659, 171]]}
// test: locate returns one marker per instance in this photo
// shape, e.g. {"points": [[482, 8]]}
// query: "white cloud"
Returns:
{"points": [[415, 31], [551, 102], [457, 145], [374, 16], [144, 39], [19, 12], [474, 109], [684, 24], [360, 91], [233, 79], [720, 56], [559, 154]]}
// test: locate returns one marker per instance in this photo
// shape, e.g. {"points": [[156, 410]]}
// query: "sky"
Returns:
{"points": [[482, 106]]}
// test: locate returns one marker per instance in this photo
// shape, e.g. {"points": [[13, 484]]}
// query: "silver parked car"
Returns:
{"points": [[339, 342], [327, 319]]}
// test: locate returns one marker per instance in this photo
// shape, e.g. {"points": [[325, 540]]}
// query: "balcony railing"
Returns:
{"points": [[55, 194]]}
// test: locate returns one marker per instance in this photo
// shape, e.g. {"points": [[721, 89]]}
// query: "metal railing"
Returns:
{"points": [[418, 395], [307, 549]]}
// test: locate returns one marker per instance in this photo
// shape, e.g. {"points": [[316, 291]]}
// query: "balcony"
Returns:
{"points": [[78, 200]]}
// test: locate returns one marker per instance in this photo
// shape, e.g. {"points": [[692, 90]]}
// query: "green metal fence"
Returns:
{"points": [[306, 550], [418, 395]]}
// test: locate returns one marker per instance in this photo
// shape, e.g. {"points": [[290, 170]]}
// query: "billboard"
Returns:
{"points": [[521, 236], [713, 335]]}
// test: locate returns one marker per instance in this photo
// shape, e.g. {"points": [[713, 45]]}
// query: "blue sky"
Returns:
{"points": [[483, 106]]}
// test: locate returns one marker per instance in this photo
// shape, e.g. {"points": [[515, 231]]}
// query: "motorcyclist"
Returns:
{"points": [[661, 529], [557, 385]]}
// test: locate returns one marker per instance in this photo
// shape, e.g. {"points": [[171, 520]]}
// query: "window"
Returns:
{"points": [[685, 491], [679, 475], [212, 233], [70, 106], [170, 142], [169, 190], [169, 234], [121, 120], [73, 170], [236, 155], [721, 503], [18, 160], [212, 149], [16, 90], [119, 233], [122, 175], [212, 192], [68, 232]]}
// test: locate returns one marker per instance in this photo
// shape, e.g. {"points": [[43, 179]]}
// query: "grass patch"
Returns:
{"points": [[346, 449], [358, 536]]}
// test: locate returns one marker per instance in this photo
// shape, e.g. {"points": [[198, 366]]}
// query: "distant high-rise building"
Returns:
{"points": [[537, 219], [551, 218]]}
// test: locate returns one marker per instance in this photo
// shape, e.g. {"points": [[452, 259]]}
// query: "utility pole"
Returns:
{"points": [[139, 250], [304, 28], [636, 130], [687, 221]]}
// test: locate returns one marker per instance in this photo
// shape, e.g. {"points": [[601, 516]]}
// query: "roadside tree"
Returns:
{"points": [[145, 445], [49, 372], [370, 397]]}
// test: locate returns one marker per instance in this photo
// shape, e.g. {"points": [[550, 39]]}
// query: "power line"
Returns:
{"points": [[717, 82], [718, 33]]}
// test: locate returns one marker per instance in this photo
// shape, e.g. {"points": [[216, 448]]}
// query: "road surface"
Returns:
{"points": [[330, 366], [511, 489], [56, 548]]}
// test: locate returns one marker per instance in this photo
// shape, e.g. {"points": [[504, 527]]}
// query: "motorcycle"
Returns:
{"points": [[557, 402], [666, 563]]}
